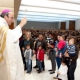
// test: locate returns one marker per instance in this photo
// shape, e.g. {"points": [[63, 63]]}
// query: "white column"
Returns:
{"points": [[15, 22], [59, 25], [77, 24], [67, 24]]}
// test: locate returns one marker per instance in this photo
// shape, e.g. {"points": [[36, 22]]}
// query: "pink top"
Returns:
{"points": [[38, 54], [61, 44]]}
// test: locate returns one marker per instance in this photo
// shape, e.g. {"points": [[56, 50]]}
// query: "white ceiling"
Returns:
{"points": [[49, 10], [6, 4]]}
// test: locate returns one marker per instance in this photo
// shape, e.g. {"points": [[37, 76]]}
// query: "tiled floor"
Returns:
{"points": [[45, 75]]}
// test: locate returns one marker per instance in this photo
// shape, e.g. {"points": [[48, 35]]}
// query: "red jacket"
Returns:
{"points": [[40, 55]]}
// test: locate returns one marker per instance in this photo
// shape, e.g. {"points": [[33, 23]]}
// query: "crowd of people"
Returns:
{"points": [[60, 46]]}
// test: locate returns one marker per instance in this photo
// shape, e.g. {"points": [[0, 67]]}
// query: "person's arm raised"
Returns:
{"points": [[17, 32], [23, 22]]}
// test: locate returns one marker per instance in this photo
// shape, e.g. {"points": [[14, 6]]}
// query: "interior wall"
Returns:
{"points": [[41, 25], [77, 24], [6, 4]]}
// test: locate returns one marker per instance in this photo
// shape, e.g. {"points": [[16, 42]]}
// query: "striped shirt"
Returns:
{"points": [[71, 50]]}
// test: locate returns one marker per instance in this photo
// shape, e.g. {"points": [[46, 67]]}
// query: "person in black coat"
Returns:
{"points": [[40, 41]]}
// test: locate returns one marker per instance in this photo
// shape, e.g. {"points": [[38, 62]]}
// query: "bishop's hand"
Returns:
{"points": [[23, 22]]}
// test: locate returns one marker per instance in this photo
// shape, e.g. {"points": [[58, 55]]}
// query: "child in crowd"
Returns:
{"points": [[28, 58], [62, 72], [71, 48], [40, 58]]}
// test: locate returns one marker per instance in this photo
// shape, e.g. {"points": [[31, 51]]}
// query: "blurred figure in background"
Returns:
{"points": [[50, 45]]}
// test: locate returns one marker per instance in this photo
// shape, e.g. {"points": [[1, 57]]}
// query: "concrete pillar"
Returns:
{"points": [[15, 22], [77, 24], [67, 24]]}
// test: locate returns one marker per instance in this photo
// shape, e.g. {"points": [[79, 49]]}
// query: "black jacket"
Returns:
{"points": [[43, 43], [31, 42]]}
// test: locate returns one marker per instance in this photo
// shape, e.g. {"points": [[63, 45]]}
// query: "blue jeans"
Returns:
{"points": [[39, 65], [58, 60], [29, 65]]}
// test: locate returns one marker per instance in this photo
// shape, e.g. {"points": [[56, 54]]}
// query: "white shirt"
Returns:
{"points": [[63, 72]]}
